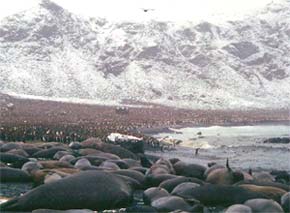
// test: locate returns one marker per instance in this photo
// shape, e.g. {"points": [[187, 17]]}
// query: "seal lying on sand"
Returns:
{"points": [[224, 176], [15, 160], [170, 184], [189, 170], [171, 203], [14, 175], [239, 208], [269, 191], [264, 205], [93, 190], [285, 202], [154, 193], [224, 195]]}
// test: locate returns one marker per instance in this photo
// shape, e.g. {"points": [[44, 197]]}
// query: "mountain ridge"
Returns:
{"points": [[48, 51]]}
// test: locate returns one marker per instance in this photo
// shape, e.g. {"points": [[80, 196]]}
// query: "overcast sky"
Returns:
{"points": [[174, 10]]}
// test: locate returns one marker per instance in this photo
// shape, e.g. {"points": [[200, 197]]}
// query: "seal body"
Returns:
{"points": [[14, 175], [93, 190], [264, 205], [224, 195]]}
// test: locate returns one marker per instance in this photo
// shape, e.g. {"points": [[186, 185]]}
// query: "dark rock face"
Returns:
{"points": [[162, 53], [149, 53], [242, 49], [200, 60], [278, 140]]}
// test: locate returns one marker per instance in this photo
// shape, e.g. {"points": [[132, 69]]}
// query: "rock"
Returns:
{"points": [[278, 140]]}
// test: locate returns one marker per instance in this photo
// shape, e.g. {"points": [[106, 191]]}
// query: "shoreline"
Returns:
{"points": [[168, 129]]}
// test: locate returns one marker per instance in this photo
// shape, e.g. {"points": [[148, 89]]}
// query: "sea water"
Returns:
{"points": [[243, 145]]}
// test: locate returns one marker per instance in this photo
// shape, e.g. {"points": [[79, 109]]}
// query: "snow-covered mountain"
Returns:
{"points": [[48, 51]]}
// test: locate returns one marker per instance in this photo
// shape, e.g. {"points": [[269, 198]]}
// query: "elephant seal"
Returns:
{"points": [[109, 165], [31, 150], [60, 154], [94, 160], [9, 146], [82, 163], [155, 180], [94, 190], [158, 169], [170, 184], [145, 161], [189, 170], [122, 164], [285, 202], [51, 178], [39, 176], [223, 195], [212, 168], [52, 164], [19, 152], [264, 205], [131, 162], [171, 203], [88, 151], [49, 145], [108, 156], [132, 174], [48, 153], [166, 163], [14, 175], [92, 142], [161, 166], [224, 176], [143, 170], [182, 189], [269, 191], [132, 182], [15, 160], [154, 193], [239, 208], [262, 183], [67, 158], [30, 167], [96, 143], [75, 145]]}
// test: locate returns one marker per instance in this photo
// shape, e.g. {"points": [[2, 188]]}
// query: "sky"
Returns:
{"points": [[171, 10]]}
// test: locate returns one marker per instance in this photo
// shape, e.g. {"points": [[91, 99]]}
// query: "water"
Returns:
{"points": [[243, 145]]}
